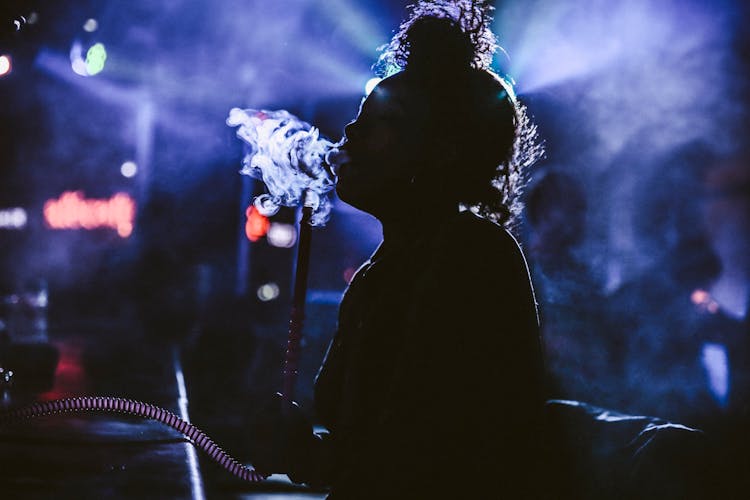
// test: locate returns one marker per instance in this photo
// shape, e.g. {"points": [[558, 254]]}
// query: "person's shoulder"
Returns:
{"points": [[474, 252], [471, 233]]}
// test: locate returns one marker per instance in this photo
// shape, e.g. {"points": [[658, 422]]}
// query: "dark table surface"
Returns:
{"points": [[119, 456]]}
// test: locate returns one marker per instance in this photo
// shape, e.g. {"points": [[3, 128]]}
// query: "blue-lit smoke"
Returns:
{"points": [[659, 72], [289, 156], [641, 104], [638, 82]]}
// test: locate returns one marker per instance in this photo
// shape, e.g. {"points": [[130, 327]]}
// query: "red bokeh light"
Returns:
{"points": [[257, 224]]}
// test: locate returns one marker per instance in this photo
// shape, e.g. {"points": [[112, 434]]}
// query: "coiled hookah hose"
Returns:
{"points": [[193, 433], [145, 410]]}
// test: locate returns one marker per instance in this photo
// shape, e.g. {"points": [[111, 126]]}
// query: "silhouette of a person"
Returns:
{"points": [[432, 385]]}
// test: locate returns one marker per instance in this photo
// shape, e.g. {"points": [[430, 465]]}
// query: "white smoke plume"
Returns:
{"points": [[289, 156]]}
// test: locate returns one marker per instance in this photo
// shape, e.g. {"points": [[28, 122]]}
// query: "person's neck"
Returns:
{"points": [[411, 226]]}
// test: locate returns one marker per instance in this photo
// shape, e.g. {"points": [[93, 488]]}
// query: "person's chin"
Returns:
{"points": [[351, 195]]}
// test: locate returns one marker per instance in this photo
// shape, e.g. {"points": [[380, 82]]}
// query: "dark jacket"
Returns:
{"points": [[432, 385]]}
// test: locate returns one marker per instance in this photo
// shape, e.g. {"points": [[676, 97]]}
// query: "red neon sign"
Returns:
{"points": [[73, 211], [257, 224]]}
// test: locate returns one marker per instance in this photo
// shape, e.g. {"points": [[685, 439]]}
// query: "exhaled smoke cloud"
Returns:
{"points": [[289, 156]]}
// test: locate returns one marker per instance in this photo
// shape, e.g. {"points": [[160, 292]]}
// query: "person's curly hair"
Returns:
{"points": [[448, 47]]}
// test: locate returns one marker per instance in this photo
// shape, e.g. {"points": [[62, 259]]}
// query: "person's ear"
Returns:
{"points": [[435, 173]]}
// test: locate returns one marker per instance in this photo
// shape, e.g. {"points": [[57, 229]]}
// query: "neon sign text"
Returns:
{"points": [[73, 211]]}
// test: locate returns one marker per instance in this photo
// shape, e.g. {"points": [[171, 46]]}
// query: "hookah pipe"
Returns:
{"points": [[193, 433], [297, 316]]}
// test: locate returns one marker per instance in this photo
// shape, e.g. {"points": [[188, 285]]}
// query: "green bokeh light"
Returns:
{"points": [[95, 58]]}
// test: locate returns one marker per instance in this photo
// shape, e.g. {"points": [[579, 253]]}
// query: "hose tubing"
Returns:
{"points": [[130, 407]]}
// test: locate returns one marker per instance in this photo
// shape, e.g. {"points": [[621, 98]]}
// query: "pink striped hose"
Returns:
{"points": [[127, 406]]}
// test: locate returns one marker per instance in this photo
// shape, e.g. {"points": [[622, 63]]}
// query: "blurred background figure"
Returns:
{"points": [[582, 359]]}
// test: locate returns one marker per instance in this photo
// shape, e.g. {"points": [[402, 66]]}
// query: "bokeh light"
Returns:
{"points": [[96, 56], [77, 62], [6, 64], [268, 292], [129, 169], [13, 218], [256, 224], [716, 363], [282, 235], [90, 25]]}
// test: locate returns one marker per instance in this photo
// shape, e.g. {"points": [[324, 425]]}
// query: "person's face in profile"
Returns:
{"points": [[384, 144]]}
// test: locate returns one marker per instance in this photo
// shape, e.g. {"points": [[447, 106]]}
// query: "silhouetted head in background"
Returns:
{"points": [[441, 130], [556, 210]]}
